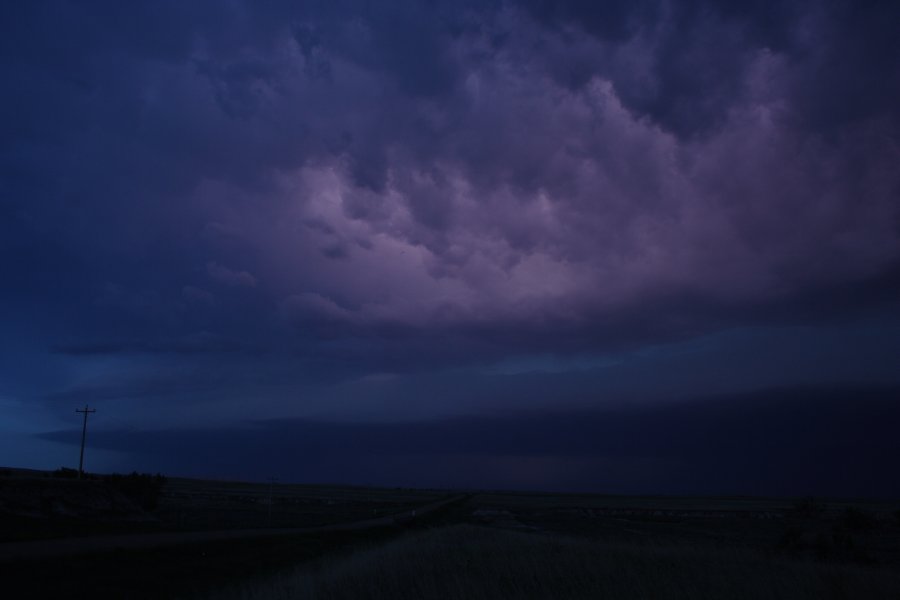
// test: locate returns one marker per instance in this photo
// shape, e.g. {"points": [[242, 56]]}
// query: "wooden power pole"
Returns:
{"points": [[86, 411]]}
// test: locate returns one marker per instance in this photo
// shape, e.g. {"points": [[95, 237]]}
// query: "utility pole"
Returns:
{"points": [[86, 411]]}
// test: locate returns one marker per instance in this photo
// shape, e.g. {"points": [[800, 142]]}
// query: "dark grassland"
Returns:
{"points": [[470, 562], [46, 505], [487, 545]]}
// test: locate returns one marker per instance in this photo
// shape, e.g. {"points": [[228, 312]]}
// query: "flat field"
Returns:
{"points": [[45, 505], [438, 544], [199, 504]]}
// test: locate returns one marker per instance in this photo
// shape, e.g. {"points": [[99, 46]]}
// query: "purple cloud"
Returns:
{"points": [[416, 189]]}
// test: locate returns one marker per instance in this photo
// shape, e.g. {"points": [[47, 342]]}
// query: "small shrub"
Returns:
{"points": [[65, 473], [143, 488], [807, 508], [791, 540], [858, 519], [841, 547]]}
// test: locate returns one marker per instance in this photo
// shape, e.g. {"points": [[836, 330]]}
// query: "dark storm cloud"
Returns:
{"points": [[362, 189], [201, 342], [784, 441], [701, 52]]}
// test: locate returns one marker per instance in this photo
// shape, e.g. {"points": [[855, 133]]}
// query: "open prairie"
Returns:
{"points": [[470, 562], [210, 539], [41, 504]]}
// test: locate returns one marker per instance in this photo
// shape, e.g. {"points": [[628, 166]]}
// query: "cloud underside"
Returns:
{"points": [[517, 176]]}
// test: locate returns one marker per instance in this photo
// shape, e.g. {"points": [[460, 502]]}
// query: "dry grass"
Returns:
{"points": [[472, 563]]}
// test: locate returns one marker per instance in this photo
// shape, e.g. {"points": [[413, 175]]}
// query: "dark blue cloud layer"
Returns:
{"points": [[802, 441]]}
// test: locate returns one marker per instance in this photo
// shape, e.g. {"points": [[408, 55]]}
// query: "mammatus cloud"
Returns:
{"points": [[544, 203], [409, 188]]}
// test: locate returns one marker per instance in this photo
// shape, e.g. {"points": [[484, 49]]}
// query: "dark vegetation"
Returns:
{"points": [[466, 562], [539, 546], [35, 504], [143, 488], [168, 572], [44, 505], [488, 545]]}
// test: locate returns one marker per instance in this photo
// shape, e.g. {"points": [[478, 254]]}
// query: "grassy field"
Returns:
{"points": [[197, 504], [42, 504], [471, 563], [500, 545], [860, 531], [671, 504], [483, 545]]}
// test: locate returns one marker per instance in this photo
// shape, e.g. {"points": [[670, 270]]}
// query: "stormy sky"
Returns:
{"points": [[630, 246]]}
